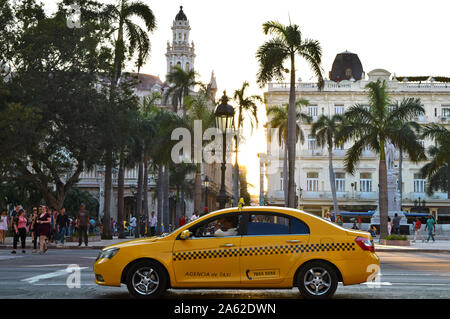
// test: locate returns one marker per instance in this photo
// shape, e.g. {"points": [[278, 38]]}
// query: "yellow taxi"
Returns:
{"points": [[252, 247]]}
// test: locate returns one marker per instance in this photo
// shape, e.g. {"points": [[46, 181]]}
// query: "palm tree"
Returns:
{"points": [[182, 82], [279, 119], [199, 111], [286, 44], [184, 186], [437, 171], [132, 37], [325, 130], [374, 127], [245, 104]]}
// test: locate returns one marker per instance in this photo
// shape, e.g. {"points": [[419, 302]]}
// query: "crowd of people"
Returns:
{"points": [[43, 225]]}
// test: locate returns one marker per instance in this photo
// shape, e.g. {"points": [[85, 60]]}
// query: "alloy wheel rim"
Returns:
{"points": [[145, 281], [317, 281]]}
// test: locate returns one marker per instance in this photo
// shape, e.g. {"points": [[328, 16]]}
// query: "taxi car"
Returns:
{"points": [[251, 247]]}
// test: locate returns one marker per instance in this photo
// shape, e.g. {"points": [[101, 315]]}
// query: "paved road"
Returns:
{"points": [[403, 275]]}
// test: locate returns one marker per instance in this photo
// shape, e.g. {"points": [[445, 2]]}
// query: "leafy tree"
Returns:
{"points": [[286, 44], [182, 81], [278, 118], [374, 127], [437, 171]]}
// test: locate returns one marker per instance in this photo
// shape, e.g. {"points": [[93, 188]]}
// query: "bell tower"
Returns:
{"points": [[180, 52]]}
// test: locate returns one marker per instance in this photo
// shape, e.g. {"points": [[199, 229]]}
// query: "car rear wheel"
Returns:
{"points": [[146, 279], [317, 280]]}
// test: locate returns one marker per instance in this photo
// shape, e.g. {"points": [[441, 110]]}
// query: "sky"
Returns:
{"points": [[405, 37]]}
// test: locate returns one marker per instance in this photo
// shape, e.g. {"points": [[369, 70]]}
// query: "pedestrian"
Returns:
{"points": [[13, 215], [83, 225], [354, 224], [132, 225], [3, 226], [153, 223], [327, 216], [333, 217], [182, 220], [431, 225], [396, 224], [62, 223], [373, 230], [194, 216], [359, 222], [389, 226], [43, 229], [339, 221], [91, 225], [33, 219], [418, 230], [20, 230], [70, 229]]}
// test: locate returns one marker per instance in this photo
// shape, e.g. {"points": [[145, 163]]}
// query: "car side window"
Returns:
{"points": [[298, 227], [222, 226], [267, 224]]}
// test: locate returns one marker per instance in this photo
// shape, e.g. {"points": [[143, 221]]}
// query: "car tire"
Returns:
{"points": [[317, 280], [146, 279]]}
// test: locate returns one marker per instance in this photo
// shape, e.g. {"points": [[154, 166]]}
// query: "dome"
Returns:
{"points": [[346, 65], [181, 15]]}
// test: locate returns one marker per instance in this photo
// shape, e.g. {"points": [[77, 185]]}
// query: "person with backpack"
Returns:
{"points": [[431, 225]]}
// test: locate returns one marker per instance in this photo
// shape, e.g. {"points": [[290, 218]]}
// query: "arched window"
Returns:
{"points": [[187, 66], [348, 72]]}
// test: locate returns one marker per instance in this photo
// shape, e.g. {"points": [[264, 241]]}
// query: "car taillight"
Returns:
{"points": [[365, 244]]}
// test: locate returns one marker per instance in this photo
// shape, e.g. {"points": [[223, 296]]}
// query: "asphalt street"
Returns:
{"points": [[422, 275]]}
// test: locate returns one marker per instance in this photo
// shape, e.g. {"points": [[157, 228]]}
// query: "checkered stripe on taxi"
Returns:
{"points": [[263, 250]]}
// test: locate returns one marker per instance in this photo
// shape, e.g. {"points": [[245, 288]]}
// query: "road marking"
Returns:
{"points": [[58, 273], [375, 283], [51, 265], [63, 285], [9, 257]]}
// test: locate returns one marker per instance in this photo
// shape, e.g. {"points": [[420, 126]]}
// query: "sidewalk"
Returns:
{"points": [[438, 246]]}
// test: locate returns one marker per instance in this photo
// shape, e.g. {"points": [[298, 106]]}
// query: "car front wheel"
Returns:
{"points": [[317, 280], [146, 279]]}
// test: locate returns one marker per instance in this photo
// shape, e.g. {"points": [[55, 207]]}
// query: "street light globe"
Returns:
{"points": [[224, 114]]}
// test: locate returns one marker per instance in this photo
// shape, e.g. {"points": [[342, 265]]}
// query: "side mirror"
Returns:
{"points": [[185, 234]]}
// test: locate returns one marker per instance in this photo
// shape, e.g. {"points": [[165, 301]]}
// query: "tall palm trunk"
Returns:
{"points": [[177, 209], [106, 234], [198, 189], [400, 176], [292, 136], [139, 199], [165, 190], [145, 189], [448, 180], [285, 175], [383, 197], [332, 179], [159, 198], [120, 196]]}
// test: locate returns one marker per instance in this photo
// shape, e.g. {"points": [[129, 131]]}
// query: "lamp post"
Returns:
{"points": [[419, 205], [133, 189], [206, 183], [224, 115]]}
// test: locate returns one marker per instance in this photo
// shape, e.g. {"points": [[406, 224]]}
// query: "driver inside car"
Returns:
{"points": [[226, 227]]}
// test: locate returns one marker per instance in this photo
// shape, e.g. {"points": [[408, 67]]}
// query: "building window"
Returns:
{"points": [[281, 181], [187, 66], [312, 182], [338, 109], [312, 111], [311, 142], [445, 111], [365, 182], [348, 73], [419, 183], [340, 182]]}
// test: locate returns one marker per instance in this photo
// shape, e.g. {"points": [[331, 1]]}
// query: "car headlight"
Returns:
{"points": [[108, 253]]}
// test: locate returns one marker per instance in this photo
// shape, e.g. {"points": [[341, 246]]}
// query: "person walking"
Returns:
{"points": [[83, 225], [389, 226], [359, 222], [153, 223], [431, 225], [396, 224], [62, 223], [181, 220], [132, 225], [33, 219], [43, 229], [3, 226], [13, 215], [418, 230], [194, 216], [339, 221], [20, 230]]}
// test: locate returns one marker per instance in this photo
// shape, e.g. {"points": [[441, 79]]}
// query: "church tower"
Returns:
{"points": [[180, 52]]}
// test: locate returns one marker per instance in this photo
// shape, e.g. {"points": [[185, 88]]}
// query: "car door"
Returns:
{"points": [[272, 244], [205, 260]]}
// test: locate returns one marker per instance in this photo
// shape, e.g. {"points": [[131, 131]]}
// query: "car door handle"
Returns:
{"points": [[293, 241], [227, 245]]}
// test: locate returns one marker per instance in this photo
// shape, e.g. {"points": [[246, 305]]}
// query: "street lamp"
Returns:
{"points": [[206, 183], [419, 206], [224, 115]]}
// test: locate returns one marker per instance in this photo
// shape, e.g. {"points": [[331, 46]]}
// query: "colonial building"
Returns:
{"points": [[179, 53], [358, 192]]}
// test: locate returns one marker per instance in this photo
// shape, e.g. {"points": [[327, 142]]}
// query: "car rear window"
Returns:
{"points": [[298, 227]]}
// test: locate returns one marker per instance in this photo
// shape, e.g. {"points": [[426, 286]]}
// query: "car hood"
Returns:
{"points": [[134, 242]]}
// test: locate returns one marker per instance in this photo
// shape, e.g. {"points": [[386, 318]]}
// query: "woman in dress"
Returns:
{"points": [[3, 227], [389, 226], [43, 229]]}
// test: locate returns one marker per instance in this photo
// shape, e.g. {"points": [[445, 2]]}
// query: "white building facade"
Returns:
{"points": [[357, 192]]}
